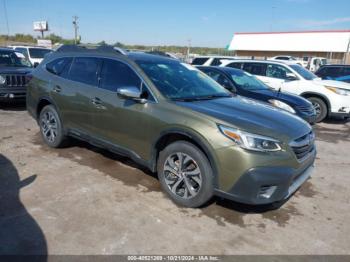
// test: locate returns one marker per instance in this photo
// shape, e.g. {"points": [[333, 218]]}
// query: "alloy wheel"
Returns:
{"points": [[182, 175], [317, 108], [49, 126]]}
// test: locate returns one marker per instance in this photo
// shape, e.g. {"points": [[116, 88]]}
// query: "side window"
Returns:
{"points": [[84, 70], [58, 66], [22, 50], [220, 78], [346, 71], [115, 74], [235, 65], [333, 71], [277, 71], [255, 68]]}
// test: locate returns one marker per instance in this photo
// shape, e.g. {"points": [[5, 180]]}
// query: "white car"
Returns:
{"points": [[34, 54], [289, 58], [210, 60], [330, 98]]}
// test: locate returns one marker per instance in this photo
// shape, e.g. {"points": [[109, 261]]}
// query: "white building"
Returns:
{"points": [[333, 45]]}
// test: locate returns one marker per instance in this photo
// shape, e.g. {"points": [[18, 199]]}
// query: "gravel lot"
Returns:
{"points": [[84, 200]]}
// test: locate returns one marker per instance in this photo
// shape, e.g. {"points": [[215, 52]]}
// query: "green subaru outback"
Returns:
{"points": [[175, 120]]}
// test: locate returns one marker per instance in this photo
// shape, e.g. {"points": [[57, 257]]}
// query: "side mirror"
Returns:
{"points": [[131, 92], [36, 64], [291, 77]]}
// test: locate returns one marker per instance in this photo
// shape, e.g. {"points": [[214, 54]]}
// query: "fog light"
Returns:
{"points": [[266, 191]]}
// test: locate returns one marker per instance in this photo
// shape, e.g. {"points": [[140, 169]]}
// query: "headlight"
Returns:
{"points": [[282, 105], [339, 91], [2, 80], [251, 141]]}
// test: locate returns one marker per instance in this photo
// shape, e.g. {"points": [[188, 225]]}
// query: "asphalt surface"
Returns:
{"points": [[84, 200]]}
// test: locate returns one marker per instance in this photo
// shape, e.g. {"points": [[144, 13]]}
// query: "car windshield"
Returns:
{"points": [[247, 81], [9, 58], [179, 81], [307, 75], [38, 52]]}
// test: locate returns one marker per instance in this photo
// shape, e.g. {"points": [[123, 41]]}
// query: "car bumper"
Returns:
{"points": [[266, 185], [311, 119], [11, 94], [340, 106]]}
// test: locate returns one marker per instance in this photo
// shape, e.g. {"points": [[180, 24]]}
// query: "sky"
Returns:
{"points": [[210, 23]]}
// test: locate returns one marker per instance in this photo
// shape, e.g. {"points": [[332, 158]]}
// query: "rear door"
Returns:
{"points": [[259, 70], [73, 92]]}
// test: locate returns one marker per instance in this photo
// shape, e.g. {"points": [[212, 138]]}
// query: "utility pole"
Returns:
{"points": [[189, 48], [75, 25], [7, 21]]}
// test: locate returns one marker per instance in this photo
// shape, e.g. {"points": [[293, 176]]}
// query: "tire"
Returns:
{"points": [[191, 185], [51, 127], [320, 107]]}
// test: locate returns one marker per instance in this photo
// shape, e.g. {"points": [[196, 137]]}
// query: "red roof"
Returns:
{"points": [[295, 32]]}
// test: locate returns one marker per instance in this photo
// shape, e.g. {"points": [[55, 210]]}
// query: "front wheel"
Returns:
{"points": [[320, 108], [185, 174]]}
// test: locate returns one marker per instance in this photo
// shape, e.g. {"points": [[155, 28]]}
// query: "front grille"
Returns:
{"points": [[16, 80], [306, 109], [304, 145]]}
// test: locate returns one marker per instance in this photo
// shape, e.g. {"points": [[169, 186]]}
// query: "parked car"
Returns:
{"points": [[245, 84], [289, 58], [14, 75], [173, 119], [314, 63], [330, 98], [34, 54], [210, 60], [334, 72]]}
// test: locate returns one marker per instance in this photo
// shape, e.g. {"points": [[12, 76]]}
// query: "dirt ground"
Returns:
{"points": [[84, 200]]}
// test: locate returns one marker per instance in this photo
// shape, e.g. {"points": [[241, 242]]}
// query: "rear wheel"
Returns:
{"points": [[50, 127], [185, 174], [320, 107]]}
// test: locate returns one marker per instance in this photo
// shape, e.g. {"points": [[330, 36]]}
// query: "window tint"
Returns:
{"points": [[84, 70], [235, 65], [116, 74], [199, 60], [255, 68], [282, 58], [277, 71], [59, 65]]}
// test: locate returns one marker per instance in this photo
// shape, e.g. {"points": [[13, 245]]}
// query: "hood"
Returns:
{"points": [[288, 98], [252, 116], [15, 70], [332, 83]]}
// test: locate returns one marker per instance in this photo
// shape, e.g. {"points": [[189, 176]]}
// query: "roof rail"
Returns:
{"points": [[92, 48]]}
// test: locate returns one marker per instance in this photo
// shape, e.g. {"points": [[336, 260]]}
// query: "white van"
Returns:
{"points": [[329, 97]]}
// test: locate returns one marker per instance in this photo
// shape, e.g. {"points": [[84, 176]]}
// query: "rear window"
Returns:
{"points": [[57, 66], [38, 52], [199, 60], [84, 70]]}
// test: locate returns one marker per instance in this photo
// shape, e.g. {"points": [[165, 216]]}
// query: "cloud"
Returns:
{"points": [[326, 22]]}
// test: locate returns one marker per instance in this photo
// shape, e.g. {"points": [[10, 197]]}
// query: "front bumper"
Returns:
{"points": [[266, 185], [11, 93], [311, 119]]}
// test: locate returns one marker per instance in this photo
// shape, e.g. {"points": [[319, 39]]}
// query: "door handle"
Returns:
{"points": [[97, 103], [57, 89]]}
